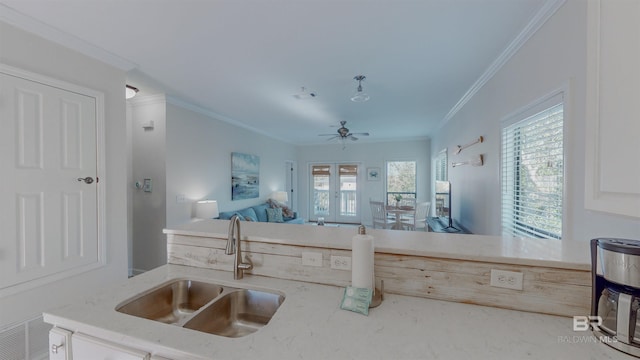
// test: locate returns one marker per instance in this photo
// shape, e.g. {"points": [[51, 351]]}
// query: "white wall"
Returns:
{"points": [[29, 52], [554, 56], [198, 161], [367, 155]]}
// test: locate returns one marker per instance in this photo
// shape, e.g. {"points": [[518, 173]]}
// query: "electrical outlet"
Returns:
{"points": [[506, 279], [312, 259], [340, 262]]}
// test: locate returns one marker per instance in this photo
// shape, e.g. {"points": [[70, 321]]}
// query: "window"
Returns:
{"points": [[533, 172], [401, 180], [441, 166]]}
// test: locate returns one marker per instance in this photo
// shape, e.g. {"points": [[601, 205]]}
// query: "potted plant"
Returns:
{"points": [[398, 197]]}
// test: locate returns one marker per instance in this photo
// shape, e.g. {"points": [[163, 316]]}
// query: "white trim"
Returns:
{"points": [[60, 37], [147, 100], [101, 174], [545, 13], [211, 114]]}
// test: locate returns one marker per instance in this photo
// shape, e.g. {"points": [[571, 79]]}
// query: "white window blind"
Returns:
{"points": [[441, 166], [533, 175]]}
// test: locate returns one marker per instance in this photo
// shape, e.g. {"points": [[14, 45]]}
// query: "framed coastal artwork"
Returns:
{"points": [[245, 176], [373, 173]]}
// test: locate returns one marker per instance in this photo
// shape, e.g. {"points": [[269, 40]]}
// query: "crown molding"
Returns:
{"points": [[541, 17], [29, 24], [211, 114], [147, 100]]}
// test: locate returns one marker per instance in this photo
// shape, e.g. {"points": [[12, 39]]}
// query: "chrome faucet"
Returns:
{"points": [[233, 247]]}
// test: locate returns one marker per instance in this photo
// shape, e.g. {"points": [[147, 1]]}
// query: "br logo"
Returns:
{"points": [[582, 323]]}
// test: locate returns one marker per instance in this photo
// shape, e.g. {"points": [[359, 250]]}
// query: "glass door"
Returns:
{"points": [[334, 193]]}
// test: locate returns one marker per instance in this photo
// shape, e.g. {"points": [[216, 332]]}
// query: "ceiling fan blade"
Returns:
{"points": [[352, 137], [361, 134], [331, 138], [327, 135]]}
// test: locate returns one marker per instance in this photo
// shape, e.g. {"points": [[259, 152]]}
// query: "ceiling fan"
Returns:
{"points": [[343, 133]]}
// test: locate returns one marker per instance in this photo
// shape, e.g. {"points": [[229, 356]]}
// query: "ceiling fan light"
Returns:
{"points": [[359, 95]]}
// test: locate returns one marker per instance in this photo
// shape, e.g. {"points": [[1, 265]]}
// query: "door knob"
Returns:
{"points": [[87, 180]]}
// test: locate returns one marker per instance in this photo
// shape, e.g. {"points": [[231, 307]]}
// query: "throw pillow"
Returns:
{"points": [[286, 212], [274, 215]]}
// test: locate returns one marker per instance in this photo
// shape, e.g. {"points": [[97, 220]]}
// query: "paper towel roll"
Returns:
{"points": [[362, 261]]}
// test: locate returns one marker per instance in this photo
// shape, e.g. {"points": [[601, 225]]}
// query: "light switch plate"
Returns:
{"points": [[146, 185], [312, 259]]}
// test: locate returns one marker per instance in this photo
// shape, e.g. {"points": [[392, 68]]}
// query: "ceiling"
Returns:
{"points": [[243, 61]]}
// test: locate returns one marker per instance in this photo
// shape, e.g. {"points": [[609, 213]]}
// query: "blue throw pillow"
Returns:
{"points": [[274, 215], [261, 214], [248, 213]]}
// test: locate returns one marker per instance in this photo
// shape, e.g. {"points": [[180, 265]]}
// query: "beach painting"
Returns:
{"points": [[245, 176]]}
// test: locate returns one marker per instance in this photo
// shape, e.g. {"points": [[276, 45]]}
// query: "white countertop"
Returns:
{"points": [[523, 251], [310, 325]]}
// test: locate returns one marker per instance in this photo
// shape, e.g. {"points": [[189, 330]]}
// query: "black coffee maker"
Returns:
{"points": [[615, 301]]}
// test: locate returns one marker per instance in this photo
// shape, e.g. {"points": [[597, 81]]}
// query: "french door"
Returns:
{"points": [[334, 193]]}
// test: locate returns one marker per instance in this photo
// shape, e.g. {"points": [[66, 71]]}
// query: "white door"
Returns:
{"points": [[334, 193], [48, 218]]}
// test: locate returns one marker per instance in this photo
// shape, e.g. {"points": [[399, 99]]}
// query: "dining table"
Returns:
{"points": [[398, 211]]}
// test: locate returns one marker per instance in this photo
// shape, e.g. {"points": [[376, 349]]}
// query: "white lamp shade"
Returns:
{"points": [[207, 209], [280, 196]]}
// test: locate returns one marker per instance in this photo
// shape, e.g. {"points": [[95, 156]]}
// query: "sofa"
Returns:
{"points": [[260, 213]]}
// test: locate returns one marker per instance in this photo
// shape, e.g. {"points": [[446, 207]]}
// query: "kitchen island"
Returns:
{"points": [[310, 325]]}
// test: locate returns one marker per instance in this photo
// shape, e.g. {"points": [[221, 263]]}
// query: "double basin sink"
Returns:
{"points": [[210, 308]]}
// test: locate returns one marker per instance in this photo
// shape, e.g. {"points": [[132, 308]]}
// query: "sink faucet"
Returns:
{"points": [[233, 247]]}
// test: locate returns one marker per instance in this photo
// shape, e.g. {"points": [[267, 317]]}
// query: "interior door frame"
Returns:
{"points": [[101, 178]]}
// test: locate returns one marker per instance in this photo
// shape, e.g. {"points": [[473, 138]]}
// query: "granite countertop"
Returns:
{"points": [[310, 325], [565, 254]]}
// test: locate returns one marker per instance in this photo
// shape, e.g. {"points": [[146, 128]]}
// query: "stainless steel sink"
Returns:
{"points": [[237, 313], [211, 308], [171, 302]]}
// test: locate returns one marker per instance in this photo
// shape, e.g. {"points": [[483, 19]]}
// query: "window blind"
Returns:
{"points": [[321, 170], [533, 175]]}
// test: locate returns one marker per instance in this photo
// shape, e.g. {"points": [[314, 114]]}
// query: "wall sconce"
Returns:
{"points": [[207, 209], [130, 92], [280, 196]]}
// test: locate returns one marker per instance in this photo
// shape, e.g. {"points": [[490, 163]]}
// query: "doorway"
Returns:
{"points": [[334, 195]]}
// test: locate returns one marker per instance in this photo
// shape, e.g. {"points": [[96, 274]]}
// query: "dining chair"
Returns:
{"points": [[379, 214], [408, 202], [419, 221]]}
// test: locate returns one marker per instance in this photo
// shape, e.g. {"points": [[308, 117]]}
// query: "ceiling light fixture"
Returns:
{"points": [[130, 91], [359, 95]]}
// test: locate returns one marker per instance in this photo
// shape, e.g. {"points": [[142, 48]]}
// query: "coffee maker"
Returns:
{"points": [[615, 300]]}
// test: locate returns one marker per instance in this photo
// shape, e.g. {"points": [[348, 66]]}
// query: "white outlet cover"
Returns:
{"points": [[507, 279], [312, 259], [340, 262]]}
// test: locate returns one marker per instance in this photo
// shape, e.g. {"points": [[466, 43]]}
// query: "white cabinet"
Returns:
{"points": [[612, 181], [87, 347], [65, 345], [59, 344]]}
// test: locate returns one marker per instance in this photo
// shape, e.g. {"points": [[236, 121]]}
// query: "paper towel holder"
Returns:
{"points": [[378, 294]]}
